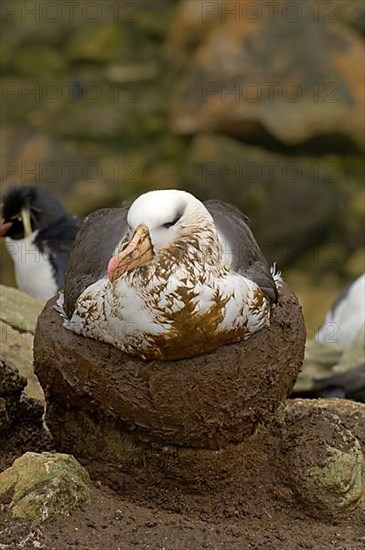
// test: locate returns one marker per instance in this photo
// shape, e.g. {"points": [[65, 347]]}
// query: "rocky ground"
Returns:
{"points": [[140, 513]]}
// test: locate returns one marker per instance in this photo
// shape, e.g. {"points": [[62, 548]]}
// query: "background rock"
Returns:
{"points": [[324, 459], [352, 414], [208, 401], [18, 318], [11, 387], [349, 11], [317, 92], [21, 418], [18, 309], [45, 486]]}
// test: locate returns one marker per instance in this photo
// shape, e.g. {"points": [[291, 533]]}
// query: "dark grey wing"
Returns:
{"points": [[56, 241], [93, 247], [245, 254]]}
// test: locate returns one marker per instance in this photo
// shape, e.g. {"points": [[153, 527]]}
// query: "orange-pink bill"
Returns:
{"points": [[137, 252]]}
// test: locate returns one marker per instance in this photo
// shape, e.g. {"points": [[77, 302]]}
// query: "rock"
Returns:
{"points": [[325, 463], [11, 387], [17, 350], [44, 486], [38, 62], [19, 310], [253, 76], [351, 12], [21, 418], [355, 263], [96, 43], [95, 157], [352, 414], [188, 29], [205, 402], [18, 317], [131, 73], [11, 383]]}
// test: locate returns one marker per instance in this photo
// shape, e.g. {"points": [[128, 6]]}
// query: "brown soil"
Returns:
{"points": [[254, 510], [114, 522]]}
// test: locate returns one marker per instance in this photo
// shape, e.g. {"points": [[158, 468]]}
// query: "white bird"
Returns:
{"points": [[167, 278], [346, 317]]}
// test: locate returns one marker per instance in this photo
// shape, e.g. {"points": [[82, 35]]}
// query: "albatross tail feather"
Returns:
{"points": [[59, 306], [276, 274]]}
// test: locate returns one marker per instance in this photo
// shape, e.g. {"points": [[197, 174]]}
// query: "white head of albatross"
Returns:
{"points": [[174, 288], [169, 220], [168, 214]]}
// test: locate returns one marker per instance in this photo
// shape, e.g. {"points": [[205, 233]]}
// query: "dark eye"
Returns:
{"points": [[170, 224]]}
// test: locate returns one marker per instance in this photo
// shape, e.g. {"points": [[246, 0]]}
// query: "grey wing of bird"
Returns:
{"points": [[57, 242], [93, 247], [239, 242]]}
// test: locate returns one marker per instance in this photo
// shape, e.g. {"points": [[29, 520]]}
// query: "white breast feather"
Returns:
{"points": [[33, 270], [121, 315]]}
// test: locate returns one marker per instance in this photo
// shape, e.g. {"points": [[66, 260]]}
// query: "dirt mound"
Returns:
{"points": [[205, 402]]}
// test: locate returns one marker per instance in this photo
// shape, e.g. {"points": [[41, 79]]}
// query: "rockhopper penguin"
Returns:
{"points": [[39, 234]]}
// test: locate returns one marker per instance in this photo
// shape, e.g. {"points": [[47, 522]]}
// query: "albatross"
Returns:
{"points": [[168, 278]]}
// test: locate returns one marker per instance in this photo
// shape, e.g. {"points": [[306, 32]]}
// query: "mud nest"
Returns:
{"points": [[204, 402]]}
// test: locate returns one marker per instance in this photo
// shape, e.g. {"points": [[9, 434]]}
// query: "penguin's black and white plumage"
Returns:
{"points": [[39, 234]]}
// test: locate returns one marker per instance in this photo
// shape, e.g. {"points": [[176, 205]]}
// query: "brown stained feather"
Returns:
{"points": [[192, 334], [189, 250], [257, 302]]}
